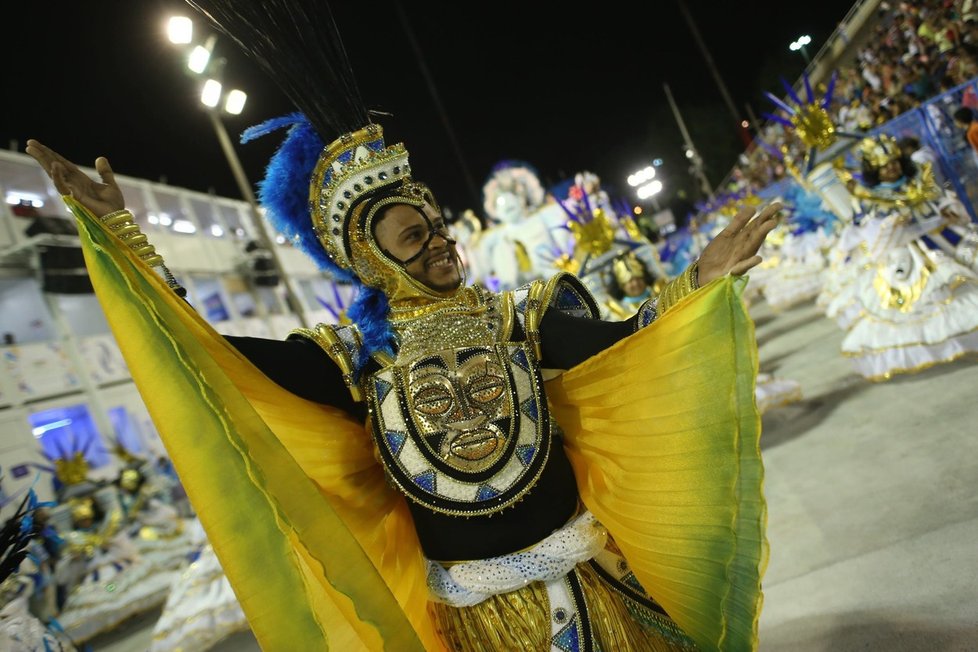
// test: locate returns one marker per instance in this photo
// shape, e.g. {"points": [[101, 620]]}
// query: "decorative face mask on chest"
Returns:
{"points": [[463, 431]]}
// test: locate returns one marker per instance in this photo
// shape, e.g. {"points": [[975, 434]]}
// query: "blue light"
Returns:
{"points": [[657, 162]]}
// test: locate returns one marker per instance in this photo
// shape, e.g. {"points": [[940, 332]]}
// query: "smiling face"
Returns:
{"points": [[418, 238]]}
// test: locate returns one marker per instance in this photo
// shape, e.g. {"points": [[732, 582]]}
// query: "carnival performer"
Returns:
{"points": [[917, 298], [511, 195], [22, 575], [461, 517], [201, 609], [633, 285], [154, 525], [105, 579]]}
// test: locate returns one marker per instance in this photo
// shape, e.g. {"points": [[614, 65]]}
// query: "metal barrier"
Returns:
{"points": [[955, 162], [932, 123]]}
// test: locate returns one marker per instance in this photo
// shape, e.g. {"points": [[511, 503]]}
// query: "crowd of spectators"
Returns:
{"points": [[918, 49]]}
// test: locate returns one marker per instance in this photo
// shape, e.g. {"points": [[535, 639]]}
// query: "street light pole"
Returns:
{"points": [[722, 87], [242, 180], [180, 32], [695, 158]]}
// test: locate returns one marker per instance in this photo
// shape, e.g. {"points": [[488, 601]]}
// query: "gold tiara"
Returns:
{"points": [[351, 166]]}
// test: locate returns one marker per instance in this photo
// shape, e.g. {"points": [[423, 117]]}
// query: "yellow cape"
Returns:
{"points": [[661, 429]]}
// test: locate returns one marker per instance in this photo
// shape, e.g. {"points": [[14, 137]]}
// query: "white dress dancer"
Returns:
{"points": [[918, 307], [107, 579], [201, 609], [914, 282], [21, 630]]}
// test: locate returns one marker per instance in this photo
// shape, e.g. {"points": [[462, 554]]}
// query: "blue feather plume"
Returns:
{"points": [[284, 191], [370, 312]]}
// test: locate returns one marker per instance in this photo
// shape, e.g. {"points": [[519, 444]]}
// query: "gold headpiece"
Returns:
{"points": [[129, 480], [71, 470], [345, 201], [814, 127], [594, 236], [627, 267], [877, 152], [351, 166], [82, 508]]}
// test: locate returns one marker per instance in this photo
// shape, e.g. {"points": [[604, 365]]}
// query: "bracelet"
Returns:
{"points": [[123, 225], [679, 288]]}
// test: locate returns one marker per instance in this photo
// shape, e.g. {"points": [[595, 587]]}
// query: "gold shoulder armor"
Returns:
{"points": [[342, 344]]}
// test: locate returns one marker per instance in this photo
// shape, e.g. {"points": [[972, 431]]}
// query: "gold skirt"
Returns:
{"points": [[521, 620]]}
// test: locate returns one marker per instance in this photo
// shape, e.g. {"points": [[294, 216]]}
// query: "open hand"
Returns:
{"points": [[734, 250], [100, 198]]}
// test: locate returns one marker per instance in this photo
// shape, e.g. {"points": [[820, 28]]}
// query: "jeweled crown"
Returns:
{"points": [[349, 168]]}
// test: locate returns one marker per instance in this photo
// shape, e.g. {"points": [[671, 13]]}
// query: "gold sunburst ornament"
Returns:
{"points": [[71, 470], [594, 236], [808, 119]]}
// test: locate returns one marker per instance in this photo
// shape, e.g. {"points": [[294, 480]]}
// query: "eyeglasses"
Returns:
{"points": [[417, 239]]}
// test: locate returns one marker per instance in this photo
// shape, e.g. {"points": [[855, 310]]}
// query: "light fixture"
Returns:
{"points": [[199, 57], [650, 189], [211, 95], [235, 102], [640, 177], [180, 30], [184, 226]]}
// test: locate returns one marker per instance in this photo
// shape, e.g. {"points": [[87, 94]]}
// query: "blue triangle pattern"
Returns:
{"points": [[567, 299], [529, 407], [519, 358], [521, 306], [382, 387], [569, 638], [485, 493], [526, 453], [346, 156], [396, 441], [376, 145], [426, 480]]}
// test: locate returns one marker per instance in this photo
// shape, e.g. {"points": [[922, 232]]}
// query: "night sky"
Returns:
{"points": [[576, 90]]}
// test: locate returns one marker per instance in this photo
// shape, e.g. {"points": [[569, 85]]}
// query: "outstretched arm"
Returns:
{"points": [[567, 341], [99, 197], [297, 365]]}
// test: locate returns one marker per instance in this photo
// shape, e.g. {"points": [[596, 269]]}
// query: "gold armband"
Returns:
{"points": [[679, 288], [122, 224]]}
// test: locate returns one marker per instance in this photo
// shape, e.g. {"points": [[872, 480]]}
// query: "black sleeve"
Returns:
{"points": [[301, 367], [568, 341]]}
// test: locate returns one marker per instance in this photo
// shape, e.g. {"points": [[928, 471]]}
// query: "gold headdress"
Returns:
{"points": [[877, 152], [350, 168], [627, 267], [356, 178], [82, 508], [129, 479]]}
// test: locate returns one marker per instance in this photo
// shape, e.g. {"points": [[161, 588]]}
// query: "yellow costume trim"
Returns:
{"points": [[537, 300], [667, 458], [338, 556]]}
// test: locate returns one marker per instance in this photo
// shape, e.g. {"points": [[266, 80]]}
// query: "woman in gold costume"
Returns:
{"points": [[456, 470]]}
